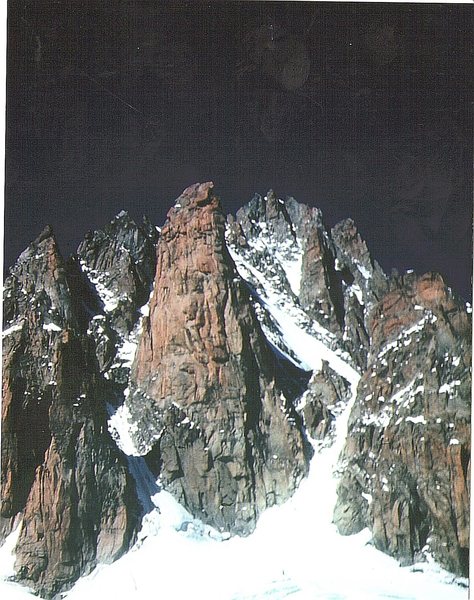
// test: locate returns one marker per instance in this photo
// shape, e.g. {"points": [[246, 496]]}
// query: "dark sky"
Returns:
{"points": [[364, 110]]}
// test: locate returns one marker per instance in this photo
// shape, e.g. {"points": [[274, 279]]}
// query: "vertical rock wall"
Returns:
{"points": [[229, 443], [61, 471], [407, 457]]}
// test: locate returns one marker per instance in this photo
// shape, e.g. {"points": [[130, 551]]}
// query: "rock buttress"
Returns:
{"points": [[407, 457], [227, 441], [61, 472]]}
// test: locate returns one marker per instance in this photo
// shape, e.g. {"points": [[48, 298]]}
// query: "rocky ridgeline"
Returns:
{"points": [[328, 275], [188, 338], [406, 464], [119, 262], [61, 472]]}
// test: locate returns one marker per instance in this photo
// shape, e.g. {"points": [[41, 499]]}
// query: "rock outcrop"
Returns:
{"points": [[117, 265], [406, 469], [326, 395], [119, 262], [227, 442], [365, 284], [61, 472], [290, 238]]}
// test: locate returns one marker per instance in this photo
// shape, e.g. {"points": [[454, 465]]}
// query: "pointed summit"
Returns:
{"points": [[46, 233], [205, 398], [119, 263]]}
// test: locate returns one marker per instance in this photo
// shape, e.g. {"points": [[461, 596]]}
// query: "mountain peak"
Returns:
{"points": [[46, 240], [196, 195], [225, 352], [45, 234], [203, 384]]}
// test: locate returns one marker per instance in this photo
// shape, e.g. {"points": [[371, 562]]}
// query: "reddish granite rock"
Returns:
{"points": [[229, 443]]}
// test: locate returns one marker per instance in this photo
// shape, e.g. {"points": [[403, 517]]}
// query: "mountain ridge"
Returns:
{"points": [[316, 312]]}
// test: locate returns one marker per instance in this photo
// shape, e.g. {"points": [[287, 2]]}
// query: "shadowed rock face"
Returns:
{"points": [[408, 448], [337, 280], [229, 442], [327, 391], [61, 472], [82, 507], [119, 260]]}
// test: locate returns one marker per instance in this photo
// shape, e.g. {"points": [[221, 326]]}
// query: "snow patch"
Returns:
{"points": [[355, 289], [122, 427], [51, 327], [276, 303], [12, 329], [367, 497], [109, 297], [448, 387], [184, 548], [366, 274], [420, 419], [309, 350]]}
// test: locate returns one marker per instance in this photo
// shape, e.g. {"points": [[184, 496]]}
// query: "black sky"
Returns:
{"points": [[364, 110]]}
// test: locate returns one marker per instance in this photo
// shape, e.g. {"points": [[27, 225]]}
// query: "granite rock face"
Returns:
{"points": [[224, 352], [228, 442], [327, 393], [406, 462], [405, 469], [61, 472], [116, 267]]}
